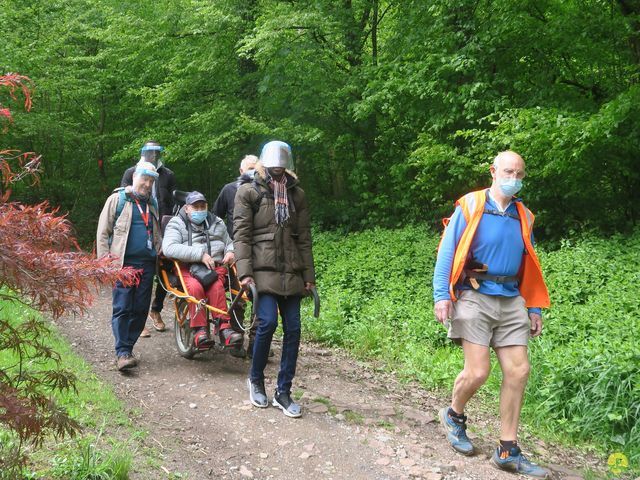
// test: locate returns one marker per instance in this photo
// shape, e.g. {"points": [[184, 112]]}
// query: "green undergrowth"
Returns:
{"points": [[585, 381], [104, 448]]}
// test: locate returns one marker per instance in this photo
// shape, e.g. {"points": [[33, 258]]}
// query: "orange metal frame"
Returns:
{"points": [[185, 295]]}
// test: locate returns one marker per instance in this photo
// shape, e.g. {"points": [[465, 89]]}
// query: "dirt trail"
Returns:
{"points": [[358, 423]]}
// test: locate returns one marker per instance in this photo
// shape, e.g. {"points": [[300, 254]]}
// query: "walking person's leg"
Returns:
{"points": [[290, 311], [268, 321], [141, 302], [514, 363], [470, 326], [122, 310], [476, 369], [156, 307], [511, 336]]}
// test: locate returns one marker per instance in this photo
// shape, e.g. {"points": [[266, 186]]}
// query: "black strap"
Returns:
{"points": [[206, 234], [262, 193], [492, 211], [491, 278]]}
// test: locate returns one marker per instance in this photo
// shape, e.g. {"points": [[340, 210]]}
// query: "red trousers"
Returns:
{"points": [[215, 296]]}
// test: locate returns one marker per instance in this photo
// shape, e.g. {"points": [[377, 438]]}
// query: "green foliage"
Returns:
{"points": [[585, 384], [90, 405], [83, 461], [31, 372], [393, 109], [585, 375]]}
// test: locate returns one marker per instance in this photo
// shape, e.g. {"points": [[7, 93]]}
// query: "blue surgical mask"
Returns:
{"points": [[198, 216], [510, 186]]}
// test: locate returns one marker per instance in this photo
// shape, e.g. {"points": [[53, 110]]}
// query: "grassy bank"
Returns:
{"points": [[585, 382], [105, 446]]}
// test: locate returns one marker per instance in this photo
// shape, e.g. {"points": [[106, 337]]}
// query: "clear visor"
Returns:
{"points": [[151, 153], [277, 154]]}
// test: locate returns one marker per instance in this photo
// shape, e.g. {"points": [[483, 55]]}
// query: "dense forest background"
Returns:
{"points": [[393, 108]]}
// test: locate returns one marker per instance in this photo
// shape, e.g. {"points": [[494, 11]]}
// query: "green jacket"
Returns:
{"points": [[278, 258]]}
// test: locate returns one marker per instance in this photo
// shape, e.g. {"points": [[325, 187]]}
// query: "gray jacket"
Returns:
{"points": [[175, 244]]}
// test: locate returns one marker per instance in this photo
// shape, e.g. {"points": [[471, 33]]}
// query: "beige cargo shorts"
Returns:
{"points": [[489, 320]]}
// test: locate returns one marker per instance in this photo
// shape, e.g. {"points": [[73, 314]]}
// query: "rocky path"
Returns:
{"points": [[358, 422]]}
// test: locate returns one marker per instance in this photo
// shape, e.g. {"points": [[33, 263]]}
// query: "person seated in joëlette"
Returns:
{"points": [[200, 242]]}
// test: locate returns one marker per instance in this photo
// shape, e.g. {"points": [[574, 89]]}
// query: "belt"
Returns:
{"points": [[491, 278]]}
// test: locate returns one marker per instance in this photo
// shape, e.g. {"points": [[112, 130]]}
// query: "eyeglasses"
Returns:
{"points": [[511, 172]]}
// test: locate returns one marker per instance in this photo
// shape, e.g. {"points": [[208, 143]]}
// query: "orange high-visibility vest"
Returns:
{"points": [[531, 283]]}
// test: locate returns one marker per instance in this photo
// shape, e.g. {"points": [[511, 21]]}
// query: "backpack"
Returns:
{"points": [[122, 198]]}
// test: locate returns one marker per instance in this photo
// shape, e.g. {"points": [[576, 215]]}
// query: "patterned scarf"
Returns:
{"points": [[281, 199]]}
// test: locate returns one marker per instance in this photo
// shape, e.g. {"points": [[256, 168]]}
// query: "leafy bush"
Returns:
{"points": [[377, 301]]}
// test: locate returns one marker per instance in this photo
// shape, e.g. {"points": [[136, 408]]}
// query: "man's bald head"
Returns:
{"points": [[507, 155], [507, 172]]}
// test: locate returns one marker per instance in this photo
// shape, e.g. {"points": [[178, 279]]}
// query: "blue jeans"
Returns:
{"points": [[130, 309], [267, 322]]}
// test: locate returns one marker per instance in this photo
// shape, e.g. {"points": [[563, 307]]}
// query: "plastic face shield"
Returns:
{"points": [[277, 154], [145, 171], [151, 153]]}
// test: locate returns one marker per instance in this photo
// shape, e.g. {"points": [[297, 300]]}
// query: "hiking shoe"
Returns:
{"points": [[257, 394], [201, 340], [237, 351], [145, 332], [456, 432], [156, 321], [126, 362], [514, 461], [284, 401], [230, 338]]}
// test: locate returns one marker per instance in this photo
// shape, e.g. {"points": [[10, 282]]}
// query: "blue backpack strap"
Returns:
{"points": [[154, 203], [122, 198]]}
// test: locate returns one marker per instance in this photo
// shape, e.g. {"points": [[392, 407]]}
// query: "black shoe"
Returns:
{"points": [[230, 338], [237, 351], [284, 401], [257, 394], [201, 339]]}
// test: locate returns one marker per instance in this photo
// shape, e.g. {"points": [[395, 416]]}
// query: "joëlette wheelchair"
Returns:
{"points": [[171, 280]]}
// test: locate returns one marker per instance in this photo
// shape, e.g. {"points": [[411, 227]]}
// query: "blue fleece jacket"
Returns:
{"points": [[497, 243]]}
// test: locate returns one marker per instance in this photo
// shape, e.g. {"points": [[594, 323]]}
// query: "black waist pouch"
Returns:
{"points": [[203, 274]]}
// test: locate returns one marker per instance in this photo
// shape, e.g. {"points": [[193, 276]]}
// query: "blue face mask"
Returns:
{"points": [[510, 186], [198, 216]]}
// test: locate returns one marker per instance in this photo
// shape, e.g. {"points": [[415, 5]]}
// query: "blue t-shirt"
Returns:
{"points": [[137, 251], [497, 243]]}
